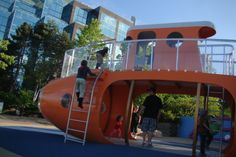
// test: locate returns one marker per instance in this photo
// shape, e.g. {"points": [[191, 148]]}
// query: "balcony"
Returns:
{"points": [[213, 56]]}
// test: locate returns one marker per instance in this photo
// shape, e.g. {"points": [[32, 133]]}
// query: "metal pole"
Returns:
{"points": [[177, 57], [195, 120], [224, 62], [128, 111], [112, 67], [127, 56], [205, 56], [73, 58], [152, 54]]}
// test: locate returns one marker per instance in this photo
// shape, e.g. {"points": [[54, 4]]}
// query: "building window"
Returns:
{"points": [[80, 15], [122, 30], [174, 43], [108, 25]]}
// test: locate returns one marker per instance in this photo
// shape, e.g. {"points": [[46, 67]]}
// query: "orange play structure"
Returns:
{"points": [[174, 58]]}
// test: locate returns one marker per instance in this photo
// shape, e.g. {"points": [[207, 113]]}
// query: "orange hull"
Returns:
{"points": [[112, 89]]}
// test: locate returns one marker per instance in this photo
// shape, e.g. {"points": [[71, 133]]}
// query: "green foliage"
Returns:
{"points": [[5, 59], [176, 106], [21, 101], [39, 57], [47, 48], [91, 34], [19, 47]]}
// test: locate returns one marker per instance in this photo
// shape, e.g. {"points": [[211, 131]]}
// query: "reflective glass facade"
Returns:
{"points": [[80, 15], [108, 25], [4, 15], [122, 29], [53, 8], [68, 15], [19, 17], [61, 24]]}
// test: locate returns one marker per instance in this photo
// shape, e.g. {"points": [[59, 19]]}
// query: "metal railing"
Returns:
{"points": [[202, 55]]}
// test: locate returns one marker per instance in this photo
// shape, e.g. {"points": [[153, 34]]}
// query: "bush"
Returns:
{"points": [[21, 101]]}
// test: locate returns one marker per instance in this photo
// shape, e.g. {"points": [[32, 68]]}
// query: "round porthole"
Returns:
{"points": [[174, 43], [65, 100]]}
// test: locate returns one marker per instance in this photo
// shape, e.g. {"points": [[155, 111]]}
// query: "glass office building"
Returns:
{"points": [[69, 15]]}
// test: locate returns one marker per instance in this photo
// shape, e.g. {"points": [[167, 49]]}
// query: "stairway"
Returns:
{"points": [[82, 121], [220, 119]]}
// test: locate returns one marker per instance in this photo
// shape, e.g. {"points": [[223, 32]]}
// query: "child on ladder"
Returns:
{"points": [[82, 73]]}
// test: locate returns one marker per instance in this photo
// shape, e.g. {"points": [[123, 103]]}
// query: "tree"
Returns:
{"points": [[90, 34], [48, 47], [5, 59], [19, 46], [40, 33]]}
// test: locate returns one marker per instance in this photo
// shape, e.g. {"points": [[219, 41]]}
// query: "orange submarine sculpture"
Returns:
{"points": [[175, 58]]}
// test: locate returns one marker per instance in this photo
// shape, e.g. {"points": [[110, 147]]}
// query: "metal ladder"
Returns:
{"points": [[86, 122], [220, 103]]}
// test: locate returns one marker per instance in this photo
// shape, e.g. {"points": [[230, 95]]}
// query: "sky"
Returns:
{"points": [[222, 13]]}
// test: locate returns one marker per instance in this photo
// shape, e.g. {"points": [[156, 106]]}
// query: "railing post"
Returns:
{"points": [[113, 55], [205, 57], [68, 66], [152, 54], [177, 56], [224, 62], [72, 63], [127, 55]]}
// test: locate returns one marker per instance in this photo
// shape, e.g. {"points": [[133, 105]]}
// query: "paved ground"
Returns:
{"points": [[8, 120], [34, 137]]}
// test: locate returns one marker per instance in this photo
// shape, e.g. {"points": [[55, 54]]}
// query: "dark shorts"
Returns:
{"points": [[149, 124]]}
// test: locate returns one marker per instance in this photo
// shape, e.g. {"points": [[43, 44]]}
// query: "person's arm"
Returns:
{"points": [[90, 73], [158, 115]]}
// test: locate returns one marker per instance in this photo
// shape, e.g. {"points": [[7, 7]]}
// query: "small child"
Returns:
{"points": [[117, 129], [135, 121], [81, 77]]}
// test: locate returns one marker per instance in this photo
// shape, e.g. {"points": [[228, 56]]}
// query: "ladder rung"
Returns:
{"points": [[76, 120], [75, 140], [79, 110], [76, 130]]}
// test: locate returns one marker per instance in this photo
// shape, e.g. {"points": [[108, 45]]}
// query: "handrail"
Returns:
{"points": [[90, 103], [71, 106], [121, 53]]}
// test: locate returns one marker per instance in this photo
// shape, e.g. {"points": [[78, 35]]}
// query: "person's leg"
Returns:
{"points": [[150, 135], [144, 129], [82, 91], [209, 139], [119, 133], [135, 130], [202, 144], [77, 89], [113, 132], [98, 65], [152, 128], [144, 138]]}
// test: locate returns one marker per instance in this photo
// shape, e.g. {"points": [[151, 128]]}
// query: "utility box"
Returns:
{"points": [[1, 106]]}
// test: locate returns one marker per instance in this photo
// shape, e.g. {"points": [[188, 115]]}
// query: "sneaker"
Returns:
{"points": [[143, 144], [150, 145], [203, 155], [81, 106]]}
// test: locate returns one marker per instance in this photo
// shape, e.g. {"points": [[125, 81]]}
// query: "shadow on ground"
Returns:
{"points": [[34, 144]]}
